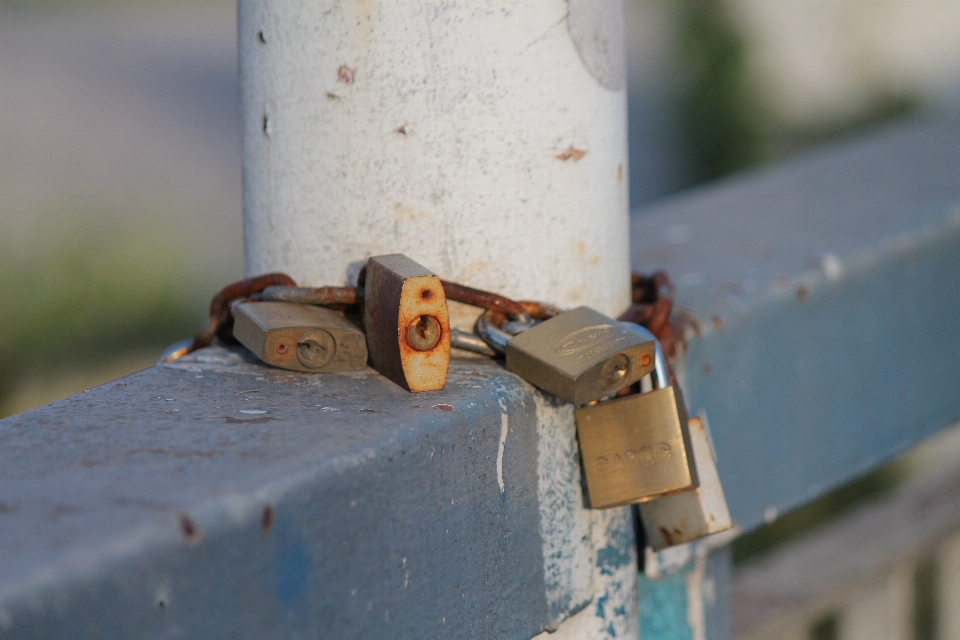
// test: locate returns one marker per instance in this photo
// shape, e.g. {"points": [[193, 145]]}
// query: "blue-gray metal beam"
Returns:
{"points": [[826, 296], [218, 498]]}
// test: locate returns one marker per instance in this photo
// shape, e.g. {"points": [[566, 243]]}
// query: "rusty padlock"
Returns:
{"points": [[689, 515], [580, 355], [406, 321], [636, 448], [300, 337]]}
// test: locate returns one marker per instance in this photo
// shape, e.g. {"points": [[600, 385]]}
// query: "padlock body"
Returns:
{"points": [[689, 515], [635, 448], [300, 337], [581, 355], [407, 324]]}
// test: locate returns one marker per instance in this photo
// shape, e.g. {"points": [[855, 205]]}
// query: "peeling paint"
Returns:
{"points": [[504, 430]]}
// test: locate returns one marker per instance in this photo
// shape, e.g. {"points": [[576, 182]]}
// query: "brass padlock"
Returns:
{"points": [[689, 515], [636, 448], [580, 355], [405, 317], [300, 337]]}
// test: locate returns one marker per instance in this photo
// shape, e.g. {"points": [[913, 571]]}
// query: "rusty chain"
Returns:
{"points": [[651, 295]]}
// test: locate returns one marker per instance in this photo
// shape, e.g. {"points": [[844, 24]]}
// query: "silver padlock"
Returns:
{"points": [[300, 337], [689, 515], [580, 355]]}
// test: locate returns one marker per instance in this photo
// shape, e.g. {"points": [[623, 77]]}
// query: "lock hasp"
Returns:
{"points": [[635, 449], [581, 355], [300, 337], [408, 328]]}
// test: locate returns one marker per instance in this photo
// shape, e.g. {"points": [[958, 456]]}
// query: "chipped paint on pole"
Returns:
{"points": [[486, 141]]}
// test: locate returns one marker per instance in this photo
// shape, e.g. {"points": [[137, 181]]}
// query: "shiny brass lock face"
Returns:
{"points": [[581, 355], [689, 515], [405, 317], [634, 448], [300, 337], [637, 448]]}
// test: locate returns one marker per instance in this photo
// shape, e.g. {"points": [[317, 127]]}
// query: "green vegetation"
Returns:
{"points": [[839, 501], [89, 298], [722, 123]]}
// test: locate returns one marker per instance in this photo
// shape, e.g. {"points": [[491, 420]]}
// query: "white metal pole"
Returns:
{"points": [[488, 142], [485, 140]]}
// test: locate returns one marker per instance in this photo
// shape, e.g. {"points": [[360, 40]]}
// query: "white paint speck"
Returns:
{"points": [[770, 514], [253, 411], [832, 267], [504, 429]]}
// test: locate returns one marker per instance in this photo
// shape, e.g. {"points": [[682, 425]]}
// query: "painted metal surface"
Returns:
{"points": [[217, 498], [456, 133], [823, 298]]}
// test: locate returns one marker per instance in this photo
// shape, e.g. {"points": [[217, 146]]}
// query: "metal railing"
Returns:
{"points": [[214, 497]]}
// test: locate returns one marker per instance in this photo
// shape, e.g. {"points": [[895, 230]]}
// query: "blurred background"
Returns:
{"points": [[120, 195]]}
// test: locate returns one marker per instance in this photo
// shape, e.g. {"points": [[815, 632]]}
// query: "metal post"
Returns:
{"points": [[487, 141]]}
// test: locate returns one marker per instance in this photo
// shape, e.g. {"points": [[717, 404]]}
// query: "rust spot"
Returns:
{"points": [[646, 360], [402, 129], [345, 74], [446, 408], [571, 153], [717, 322], [189, 528], [281, 348], [426, 294], [266, 521], [332, 96], [371, 411], [707, 368], [802, 293], [666, 536]]}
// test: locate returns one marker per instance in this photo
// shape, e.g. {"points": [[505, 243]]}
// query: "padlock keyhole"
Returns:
{"points": [[316, 349], [424, 333], [615, 371]]}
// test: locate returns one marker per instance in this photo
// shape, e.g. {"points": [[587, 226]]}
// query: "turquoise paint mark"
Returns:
{"points": [[601, 602], [617, 552], [291, 564], [663, 608]]}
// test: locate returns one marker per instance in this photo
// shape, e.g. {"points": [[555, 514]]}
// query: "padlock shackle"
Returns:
{"points": [[661, 378], [493, 335]]}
